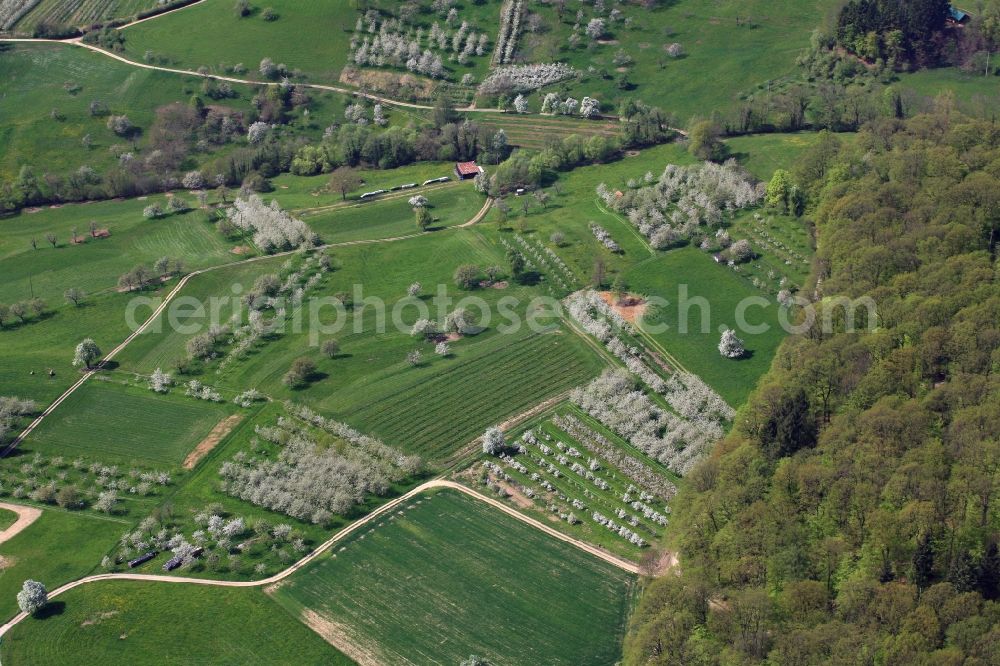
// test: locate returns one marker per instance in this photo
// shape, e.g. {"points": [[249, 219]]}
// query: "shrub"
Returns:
{"points": [[466, 276], [300, 372], [330, 348]]}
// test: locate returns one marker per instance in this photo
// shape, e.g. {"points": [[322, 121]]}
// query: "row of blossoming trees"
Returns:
{"points": [[11, 11], [678, 436], [686, 201], [308, 481], [394, 41]]}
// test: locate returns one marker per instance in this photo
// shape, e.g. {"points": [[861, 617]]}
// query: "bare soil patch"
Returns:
{"points": [[389, 83], [240, 250], [6, 562], [630, 307], [607, 41], [25, 516], [336, 635], [516, 496], [631, 153], [221, 429]]}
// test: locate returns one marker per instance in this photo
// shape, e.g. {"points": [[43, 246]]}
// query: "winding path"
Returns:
{"points": [[78, 41], [25, 516], [625, 565]]}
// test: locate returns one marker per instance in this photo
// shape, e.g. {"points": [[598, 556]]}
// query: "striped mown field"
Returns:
{"points": [[446, 576]]}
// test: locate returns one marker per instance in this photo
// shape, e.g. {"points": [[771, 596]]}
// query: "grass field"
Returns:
{"points": [[450, 576], [761, 154], [432, 414], [974, 93], [153, 623], [310, 36], [7, 518], [31, 349], [371, 370], [723, 291], [112, 423], [391, 216], [36, 79], [95, 263], [55, 549], [534, 132], [729, 47]]}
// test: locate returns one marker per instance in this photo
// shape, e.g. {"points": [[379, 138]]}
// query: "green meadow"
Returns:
{"points": [[371, 369], [309, 36], [714, 294], [446, 576], [155, 623], [728, 46], [57, 548], [100, 421]]}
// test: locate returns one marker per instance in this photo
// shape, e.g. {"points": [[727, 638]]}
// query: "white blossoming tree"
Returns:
{"points": [[32, 597], [86, 353], [160, 381], [731, 346], [494, 441]]}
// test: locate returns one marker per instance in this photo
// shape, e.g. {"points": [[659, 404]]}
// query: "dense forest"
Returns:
{"points": [[919, 33], [852, 514]]}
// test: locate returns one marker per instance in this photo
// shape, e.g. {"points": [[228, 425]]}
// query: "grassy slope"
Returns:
{"points": [[451, 204], [99, 421], [152, 623], [55, 549], [975, 93], [37, 346], [310, 35], [722, 59], [452, 577], [761, 154], [95, 264], [32, 77], [723, 291], [7, 518], [372, 369], [32, 80]]}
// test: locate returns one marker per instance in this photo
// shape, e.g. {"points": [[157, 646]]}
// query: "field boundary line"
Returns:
{"points": [[614, 560], [156, 16]]}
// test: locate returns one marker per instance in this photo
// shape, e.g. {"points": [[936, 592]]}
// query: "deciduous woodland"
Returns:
{"points": [[851, 513]]}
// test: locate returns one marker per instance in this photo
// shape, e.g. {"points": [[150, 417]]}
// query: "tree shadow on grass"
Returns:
{"points": [[529, 278], [51, 609]]}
